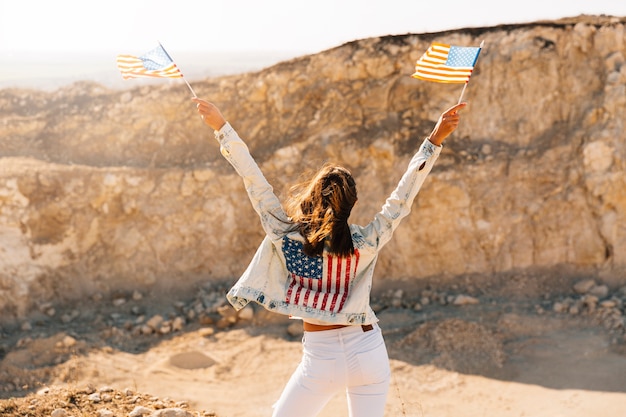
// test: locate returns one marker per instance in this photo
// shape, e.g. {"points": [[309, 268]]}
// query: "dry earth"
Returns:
{"points": [[501, 350]]}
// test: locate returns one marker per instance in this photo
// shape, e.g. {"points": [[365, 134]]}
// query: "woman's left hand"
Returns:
{"points": [[209, 113], [447, 123]]}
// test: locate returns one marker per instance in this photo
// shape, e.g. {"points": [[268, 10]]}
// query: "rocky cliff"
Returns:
{"points": [[105, 191]]}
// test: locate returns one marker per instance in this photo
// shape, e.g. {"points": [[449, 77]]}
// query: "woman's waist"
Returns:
{"points": [[314, 327]]}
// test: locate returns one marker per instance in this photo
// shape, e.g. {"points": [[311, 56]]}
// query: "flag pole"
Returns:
{"points": [[191, 89], [482, 43], [181, 74], [463, 92]]}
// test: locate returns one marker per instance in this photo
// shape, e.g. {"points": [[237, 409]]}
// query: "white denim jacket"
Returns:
{"points": [[325, 289]]}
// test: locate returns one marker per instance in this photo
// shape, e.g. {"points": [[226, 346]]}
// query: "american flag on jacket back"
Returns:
{"points": [[321, 282]]}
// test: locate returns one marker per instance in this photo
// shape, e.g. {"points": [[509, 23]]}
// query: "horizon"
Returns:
{"points": [[69, 67]]}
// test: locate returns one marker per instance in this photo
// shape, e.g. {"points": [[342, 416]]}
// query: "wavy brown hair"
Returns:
{"points": [[320, 209]]}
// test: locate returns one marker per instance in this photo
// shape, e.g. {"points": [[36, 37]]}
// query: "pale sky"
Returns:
{"points": [[288, 25], [293, 26]]}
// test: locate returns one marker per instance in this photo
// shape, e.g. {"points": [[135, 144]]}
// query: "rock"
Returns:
{"points": [[228, 313], [172, 412], [59, 412], [95, 397], [246, 313], [68, 342], [206, 331], [119, 301], [206, 320], [590, 301], [560, 307], [600, 291], [582, 287], [69, 317], [461, 300], [178, 324], [155, 322], [89, 389], [224, 323], [140, 411]]}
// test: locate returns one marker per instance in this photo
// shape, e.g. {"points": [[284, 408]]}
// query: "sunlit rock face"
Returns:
{"points": [[104, 191]]}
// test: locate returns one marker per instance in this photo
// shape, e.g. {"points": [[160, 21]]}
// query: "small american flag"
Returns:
{"points": [[320, 282], [443, 63], [155, 63]]}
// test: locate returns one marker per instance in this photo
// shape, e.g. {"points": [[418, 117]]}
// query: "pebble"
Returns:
{"points": [[178, 324], [462, 300], [95, 397], [69, 317], [206, 331], [600, 291], [59, 412], [119, 301], [155, 322], [68, 341], [246, 313], [172, 412], [582, 287], [228, 313], [140, 411], [560, 307]]}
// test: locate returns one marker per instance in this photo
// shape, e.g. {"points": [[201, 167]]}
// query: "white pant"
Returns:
{"points": [[335, 360]]}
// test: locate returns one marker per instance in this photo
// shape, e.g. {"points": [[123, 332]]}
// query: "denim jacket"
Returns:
{"points": [[325, 289]]}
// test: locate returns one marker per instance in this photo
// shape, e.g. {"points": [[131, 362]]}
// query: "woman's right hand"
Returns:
{"points": [[209, 113]]}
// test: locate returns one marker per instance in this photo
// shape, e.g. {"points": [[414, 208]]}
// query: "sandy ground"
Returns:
{"points": [[491, 359]]}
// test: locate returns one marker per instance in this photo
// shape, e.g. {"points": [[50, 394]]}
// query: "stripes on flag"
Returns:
{"points": [[321, 283], [443, 63], [155, 63]]}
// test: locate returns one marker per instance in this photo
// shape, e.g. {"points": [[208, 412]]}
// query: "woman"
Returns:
{"points": [[315, 266]]}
